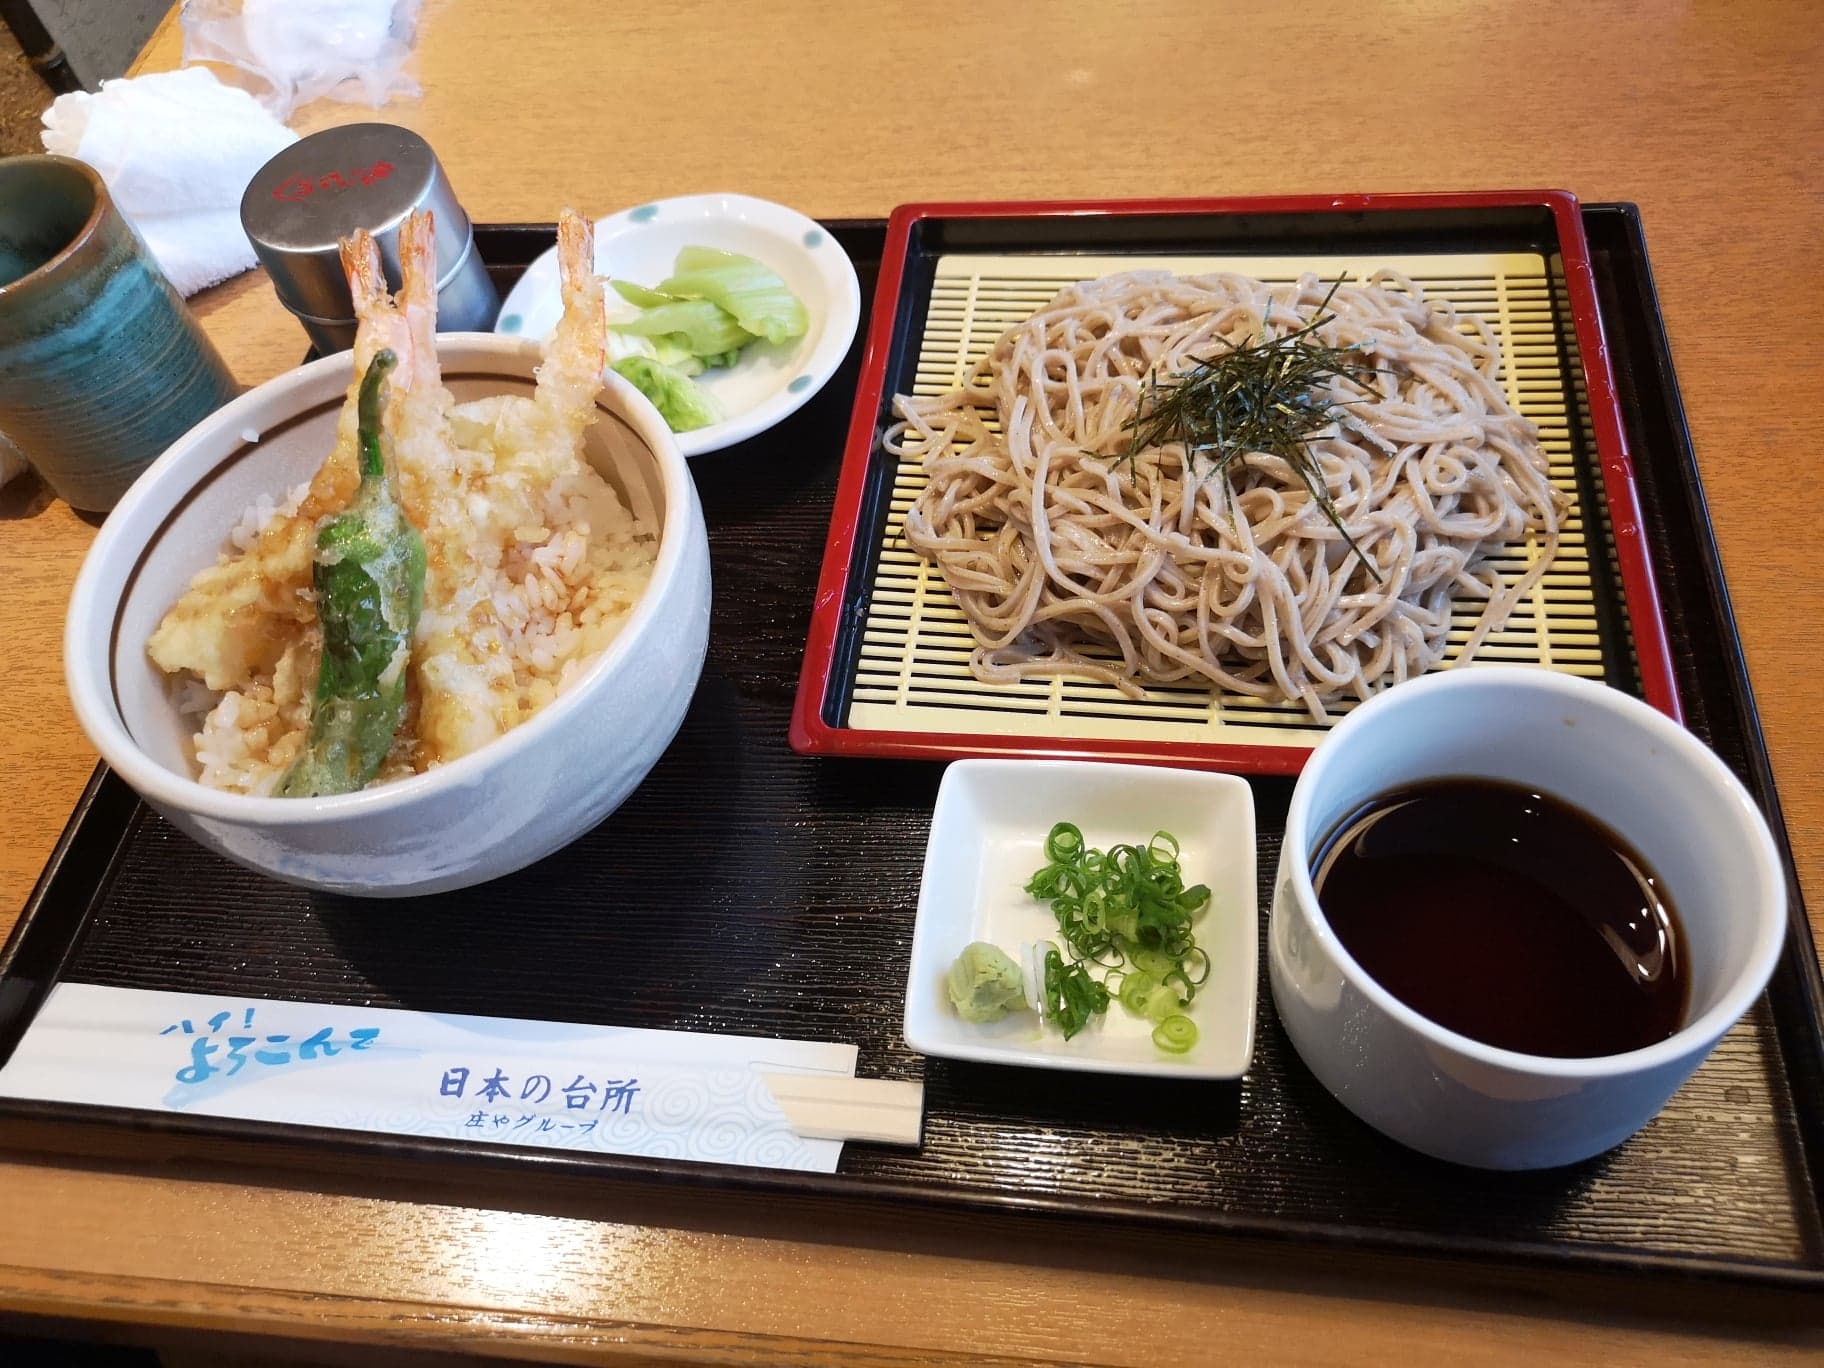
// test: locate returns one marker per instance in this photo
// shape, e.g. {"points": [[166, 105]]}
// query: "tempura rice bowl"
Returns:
{"points": [[480, 816]]}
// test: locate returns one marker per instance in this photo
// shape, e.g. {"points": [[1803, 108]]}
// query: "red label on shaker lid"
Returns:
{"points": [[297, 188]]}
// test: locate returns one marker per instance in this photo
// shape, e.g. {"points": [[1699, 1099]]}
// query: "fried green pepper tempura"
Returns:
{"points": [[369, 580]]}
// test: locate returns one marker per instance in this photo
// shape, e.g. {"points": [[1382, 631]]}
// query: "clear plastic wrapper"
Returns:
{"points": [[293, 51]]}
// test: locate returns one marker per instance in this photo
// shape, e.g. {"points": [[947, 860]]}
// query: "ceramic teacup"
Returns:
{"points": [[101, 365], [1637, 771]]}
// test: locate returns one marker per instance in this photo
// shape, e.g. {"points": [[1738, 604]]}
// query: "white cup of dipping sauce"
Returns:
{"points": [[1619, 761]]}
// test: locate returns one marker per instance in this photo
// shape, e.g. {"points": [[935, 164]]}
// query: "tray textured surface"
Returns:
{"points": [[912, 671], [746, 889], [812, 941]]}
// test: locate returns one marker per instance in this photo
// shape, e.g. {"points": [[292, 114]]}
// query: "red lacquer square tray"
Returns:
{"points": [[885, 670]]}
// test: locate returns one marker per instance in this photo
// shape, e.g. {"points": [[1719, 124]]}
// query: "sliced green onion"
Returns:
{"points": [[1064, 844], [1176, 1034], [1135, 989], [1154, 962], [1072, 997], [1197, 959], [1161, 1003], [1127, 911]]}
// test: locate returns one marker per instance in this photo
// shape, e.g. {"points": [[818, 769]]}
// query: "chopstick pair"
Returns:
{"points": [[831, 1107]]}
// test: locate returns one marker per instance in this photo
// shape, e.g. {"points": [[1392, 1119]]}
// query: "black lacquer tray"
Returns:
{"points": [[750, 890]]}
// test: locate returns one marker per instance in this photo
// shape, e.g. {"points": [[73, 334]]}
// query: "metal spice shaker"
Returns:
{"points": [[366, 175]]}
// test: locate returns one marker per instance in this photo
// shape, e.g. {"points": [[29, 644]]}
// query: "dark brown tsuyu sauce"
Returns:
{"points": [[1508, 917]]}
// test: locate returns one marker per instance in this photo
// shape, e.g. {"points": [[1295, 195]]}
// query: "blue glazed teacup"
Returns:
{"points": [[101, 365]]}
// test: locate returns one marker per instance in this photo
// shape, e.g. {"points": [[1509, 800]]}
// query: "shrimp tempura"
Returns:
{"points": [[241, 616], [517, 448]]}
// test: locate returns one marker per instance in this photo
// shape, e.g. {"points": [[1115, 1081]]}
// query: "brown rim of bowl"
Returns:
{"points": [[39, 274], [214, 473]]}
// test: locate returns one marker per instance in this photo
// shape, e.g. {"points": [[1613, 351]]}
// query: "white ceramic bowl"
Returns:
{"points": [[1614, 757], [484, 815], [769, 382]]}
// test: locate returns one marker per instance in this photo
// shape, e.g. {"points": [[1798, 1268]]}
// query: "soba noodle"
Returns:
{"points": [[1067, 559]]}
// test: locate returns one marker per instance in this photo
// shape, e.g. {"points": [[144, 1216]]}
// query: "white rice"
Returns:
{"points": [[257, 518]]}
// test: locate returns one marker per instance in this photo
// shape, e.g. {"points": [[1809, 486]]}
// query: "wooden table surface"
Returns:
{"points": [[1709, 116]]}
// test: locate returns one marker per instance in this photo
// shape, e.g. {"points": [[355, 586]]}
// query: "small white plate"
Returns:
{"points": [[769, 382], [987, 839]]}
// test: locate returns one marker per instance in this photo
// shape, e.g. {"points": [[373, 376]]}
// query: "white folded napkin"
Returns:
{"points": [[176, 149]]}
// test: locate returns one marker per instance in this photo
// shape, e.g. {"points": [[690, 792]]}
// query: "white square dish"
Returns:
{"points": [[987, 839]]}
